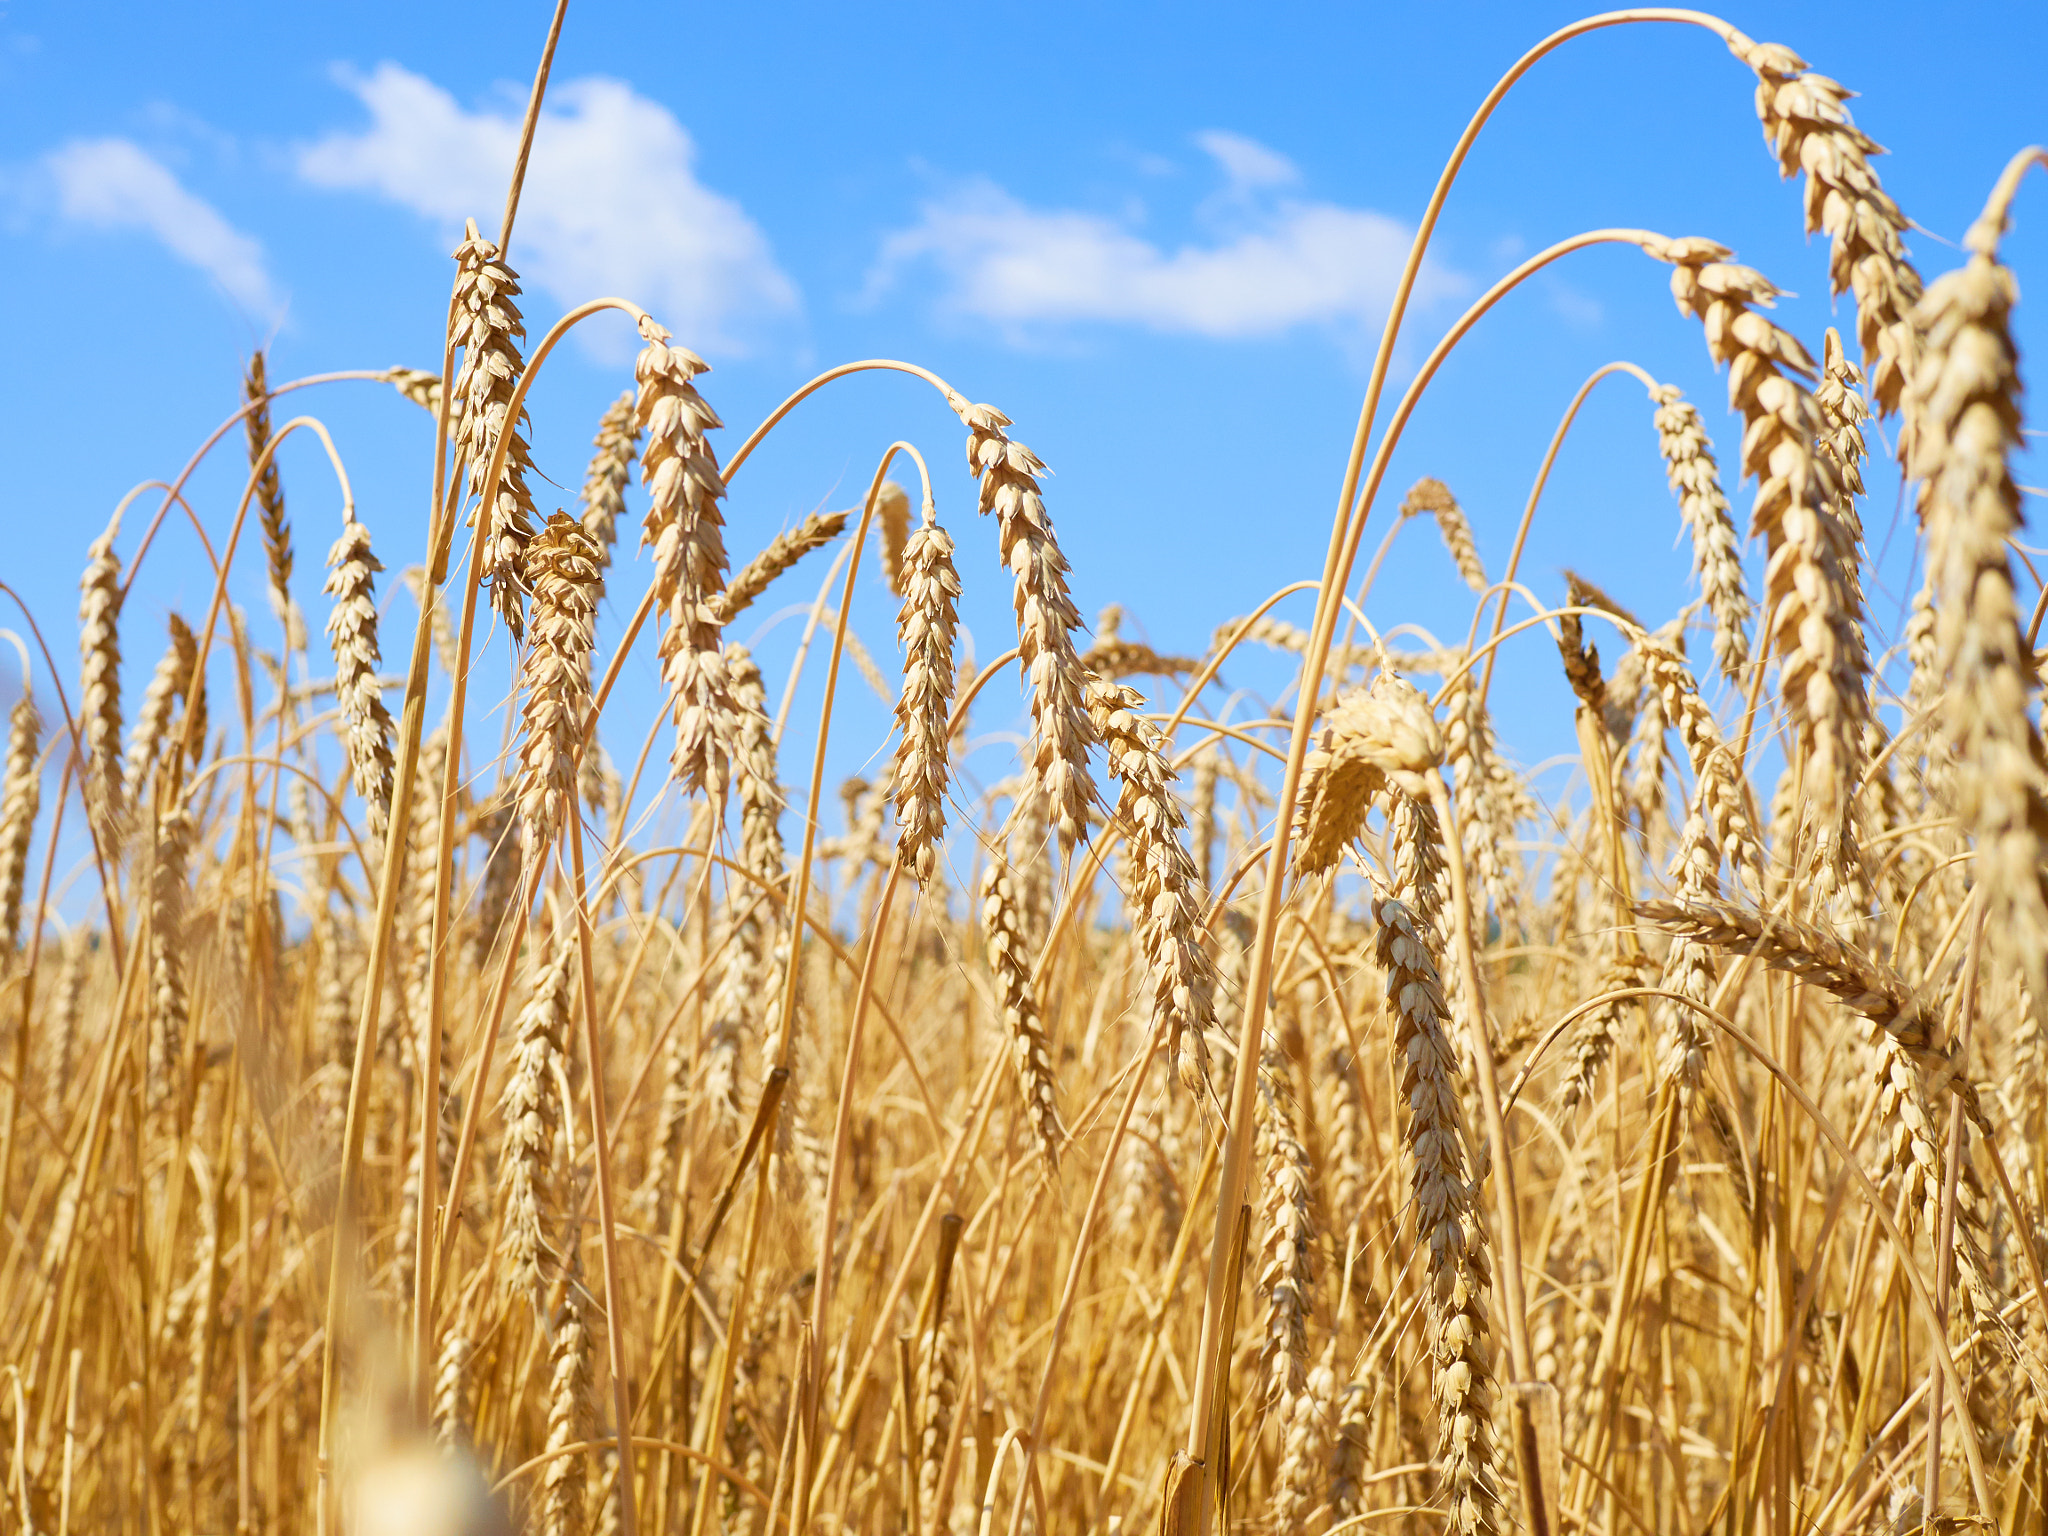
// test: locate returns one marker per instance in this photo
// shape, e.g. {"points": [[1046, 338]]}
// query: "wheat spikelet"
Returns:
{"points": [[169, 1008], [925, 627], [160, 700], [277, 528], [1046, 616], [352, 632], [563, 1482], [1375, 736], [99, 679], [488, 328], [1002, 928], [562, 572], [892, 513], [1809, 129], [683, 523], [1716, 546], [497, 827], [21, 791], [1963, 419], [1287, 1247], [1434, 497], [1447, 1224], [530, 1229], [1810, 579], [782, 552], [604, 483]]}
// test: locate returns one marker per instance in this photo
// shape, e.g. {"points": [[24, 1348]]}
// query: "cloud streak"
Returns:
{"points": [[1271, 262], [115, 184], [611, 204]]}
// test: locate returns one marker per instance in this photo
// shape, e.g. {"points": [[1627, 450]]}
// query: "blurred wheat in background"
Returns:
{"points": [[1287, 1125]]}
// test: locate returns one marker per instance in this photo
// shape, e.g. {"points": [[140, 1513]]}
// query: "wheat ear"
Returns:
{"points": [[925, 626], [277, 528], [99, 677], [159, 702], [1375, 736], [1806, 121], [1110, 655], [1716, 546], [564, 1482], [170, 1009], [21, 791], [1287, 1247], [892, 514], [531, 1214], [1448, 1225], [1434, 497], [451, 1390], [1002, 927], [1811, 584], [488, 327], [562, 572], [683, 526], [604, 483], [780, 553], [1164, 893], [1046, 617], [1963, 423], [352, 631]]}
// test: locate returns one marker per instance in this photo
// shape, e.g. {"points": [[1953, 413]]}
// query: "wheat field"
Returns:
{"points": [[1292, 1123]]}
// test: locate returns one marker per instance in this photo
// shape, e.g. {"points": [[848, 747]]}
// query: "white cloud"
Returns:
{"points": [[1272, 262], [115, 184], [611, 203]]}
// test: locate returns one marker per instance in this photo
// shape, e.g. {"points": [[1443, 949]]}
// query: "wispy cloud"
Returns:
{"points": [[611, 203], [1272, 262], [116, 184]]}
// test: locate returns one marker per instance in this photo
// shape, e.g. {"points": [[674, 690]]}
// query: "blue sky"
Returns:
{"points": [[1159, 238]]}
